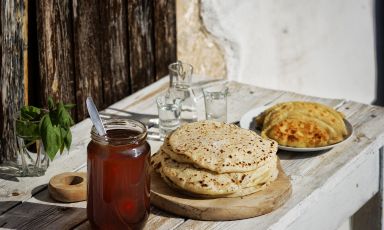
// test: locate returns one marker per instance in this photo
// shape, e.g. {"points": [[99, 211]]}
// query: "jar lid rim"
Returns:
{"points": [[120, 123]]}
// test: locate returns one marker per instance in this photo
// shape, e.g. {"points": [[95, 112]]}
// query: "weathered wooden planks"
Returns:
{"points": [[165, 35], [87, 55], [41, 216], [55, 50], [114, 50], [157, 220], [318, 179], [107, 50], [141, 55], [12, 70]]}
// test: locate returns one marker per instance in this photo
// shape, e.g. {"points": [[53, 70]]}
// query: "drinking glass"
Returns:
{"points": [[180, 74], [169, 110], [180, 78], [215, 99]]}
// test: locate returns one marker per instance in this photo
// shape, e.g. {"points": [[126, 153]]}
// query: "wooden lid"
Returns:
{"points": [[68, 187]]}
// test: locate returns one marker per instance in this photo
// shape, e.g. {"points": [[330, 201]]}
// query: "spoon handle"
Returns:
{"points": [[95, 117]]}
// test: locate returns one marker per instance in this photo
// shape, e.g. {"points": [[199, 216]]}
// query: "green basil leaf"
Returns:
{"points": [[53, 127], [30, 113], [27, 130], [61, 149], [51, 104], [50, 136], [69, 106], [68, 139], [64, 118], [63, 134]]}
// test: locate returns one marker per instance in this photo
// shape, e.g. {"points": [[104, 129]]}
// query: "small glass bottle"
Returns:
{"points": [[118, 176]]}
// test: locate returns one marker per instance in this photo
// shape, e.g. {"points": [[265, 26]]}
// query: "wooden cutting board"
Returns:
{"points": [[259, 203]]}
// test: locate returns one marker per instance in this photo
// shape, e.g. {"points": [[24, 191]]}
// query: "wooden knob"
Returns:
{"points": [[68, 187]]}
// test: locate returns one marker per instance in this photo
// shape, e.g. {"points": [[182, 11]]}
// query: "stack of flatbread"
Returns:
{"points": [[213, 159], [302, 124]]}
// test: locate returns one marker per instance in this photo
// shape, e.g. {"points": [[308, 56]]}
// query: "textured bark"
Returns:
{"points": [[141, 44], [11, 78], [165, 35], [114, 61], [55, 50], [87, 55]]}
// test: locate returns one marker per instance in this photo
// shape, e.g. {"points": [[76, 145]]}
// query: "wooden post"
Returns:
{"points": [[12, 69], [141, 45], [165, 35], [87, 55], [114, 50], [55, 50]]}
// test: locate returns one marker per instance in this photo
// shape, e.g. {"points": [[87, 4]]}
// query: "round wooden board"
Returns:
{"points": [[259, 203]]}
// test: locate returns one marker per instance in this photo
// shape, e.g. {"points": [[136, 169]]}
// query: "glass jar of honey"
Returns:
{"points": [[118, 176]]}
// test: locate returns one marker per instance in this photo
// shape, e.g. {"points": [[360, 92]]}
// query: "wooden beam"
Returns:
{"points": [[114, 50], [55, 50], [141, 45], [165, 35], [12, 70], [87, 55]]}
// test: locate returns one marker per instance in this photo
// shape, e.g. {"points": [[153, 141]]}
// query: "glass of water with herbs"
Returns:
{"points": [[169, 110]]}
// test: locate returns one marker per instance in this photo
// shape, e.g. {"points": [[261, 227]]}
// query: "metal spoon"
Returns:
{"points": [[95, 117]]}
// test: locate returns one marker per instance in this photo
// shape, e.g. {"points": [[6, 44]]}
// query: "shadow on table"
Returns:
{"points": [[8, 173], [288, 155], [4, 176], [41, 193]]}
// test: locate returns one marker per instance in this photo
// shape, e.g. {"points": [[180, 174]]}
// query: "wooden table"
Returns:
{"points": [[328, 187]]}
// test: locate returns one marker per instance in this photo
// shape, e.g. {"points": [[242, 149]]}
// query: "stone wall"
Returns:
{"points": [[195, 45]]}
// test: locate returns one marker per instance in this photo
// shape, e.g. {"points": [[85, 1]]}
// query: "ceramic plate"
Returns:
{"points": [[247, 122]]}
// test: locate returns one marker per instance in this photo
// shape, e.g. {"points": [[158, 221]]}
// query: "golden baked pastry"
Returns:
{"points": [[302, 124]]}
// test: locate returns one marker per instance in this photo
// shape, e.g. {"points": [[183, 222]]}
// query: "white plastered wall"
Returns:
{"points": [[317, 47]]}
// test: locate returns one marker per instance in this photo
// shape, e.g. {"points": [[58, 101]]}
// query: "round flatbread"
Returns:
{"points": [[181, 158], [221, 147], [207, 183]]}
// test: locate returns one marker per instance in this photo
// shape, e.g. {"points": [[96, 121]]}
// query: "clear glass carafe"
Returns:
{"points": [[180, 88]]}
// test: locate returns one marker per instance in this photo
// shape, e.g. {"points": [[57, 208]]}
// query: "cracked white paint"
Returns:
{"points": [[321, 48]]}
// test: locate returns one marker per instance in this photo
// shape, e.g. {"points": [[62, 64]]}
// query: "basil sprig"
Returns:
{"points": [[52, 126]]}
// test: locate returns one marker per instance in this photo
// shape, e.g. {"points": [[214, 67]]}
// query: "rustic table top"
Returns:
{"points": [[328, 186]]}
